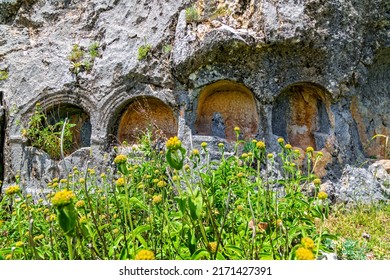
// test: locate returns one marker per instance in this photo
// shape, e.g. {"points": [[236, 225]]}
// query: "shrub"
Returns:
{"points": [[43, 135]]}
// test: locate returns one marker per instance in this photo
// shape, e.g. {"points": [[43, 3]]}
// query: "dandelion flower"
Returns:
{"points": [[63, 198], [145, 255], [120, 182], [212, 247], [119, 159], [195, 152], [157, 199], [237, 129], [322, 195], [309, 149], [161, 184], [288, 146], [173, 143], [304, 254], [260, 145], [307, 243], [203, 145], [317, 181], [80, 204], [12, 190], [280, 140]]}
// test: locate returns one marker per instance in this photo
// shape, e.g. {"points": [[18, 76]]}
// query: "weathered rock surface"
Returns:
{"points": [[318, 70]]}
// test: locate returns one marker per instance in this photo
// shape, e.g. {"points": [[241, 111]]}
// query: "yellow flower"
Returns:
{"points": [[63, 198], [120, 182], [19, 244], [240, 175], [173, 143], [55, 180], [203, 145], [8, 257], [145, 255], [250, 154], [91, 171], [52, 217], [280, 140], [237, 129], [38, 237], [115, 231], [161, 184], [270, 155], [288, 146], [195, 152], [175, 178], [240, 208], [120, 159], [322, 195], [307, 243], [103, 175], [55, 185], [81, 180], [157, 199], [212, 247], [260, 145], [12, 190], [187, 167], [279, 222], [304, 254], [244, 155], [83, 220], [317, 181], [80, 204], [221, 145], [309, 149], [63, 181]]}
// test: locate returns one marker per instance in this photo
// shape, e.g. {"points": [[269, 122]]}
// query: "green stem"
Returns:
{"points": [[70, 248]]}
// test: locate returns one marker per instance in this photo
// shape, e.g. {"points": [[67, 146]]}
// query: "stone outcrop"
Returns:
{"points": [[314, 72]]}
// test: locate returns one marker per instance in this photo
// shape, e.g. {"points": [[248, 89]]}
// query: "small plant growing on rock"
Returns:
{"points": [[192, 15], [143, 51], [3, 75], [81, 60], [43, 135]]}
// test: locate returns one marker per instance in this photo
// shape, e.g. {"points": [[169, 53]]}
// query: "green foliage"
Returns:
{"points": [[235, 208], [81, 60], [351, 250], [167, 48], [143, 51], [192, 14], [43, 135], [3, 75]]}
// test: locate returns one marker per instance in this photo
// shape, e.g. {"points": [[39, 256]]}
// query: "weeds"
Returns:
{"points": [[175, 204], [3, 75], [46, 136], [81, 60], [143, 51]]}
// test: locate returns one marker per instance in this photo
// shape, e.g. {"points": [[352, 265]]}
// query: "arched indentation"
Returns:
{"points": [[82, 129], [300, 115], [142, 114], [224, 105]]}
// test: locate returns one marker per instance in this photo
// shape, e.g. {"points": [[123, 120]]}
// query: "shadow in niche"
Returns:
{"points": [[224, 105], [141, 115], [81, 131], [300, 116]]}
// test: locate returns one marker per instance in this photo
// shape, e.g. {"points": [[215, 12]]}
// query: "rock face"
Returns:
{"points": [[314, 72]]}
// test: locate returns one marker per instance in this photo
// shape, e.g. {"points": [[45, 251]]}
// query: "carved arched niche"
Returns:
{"points": [[224, 105], [81, 131], [300, 116], [145, 113]]}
